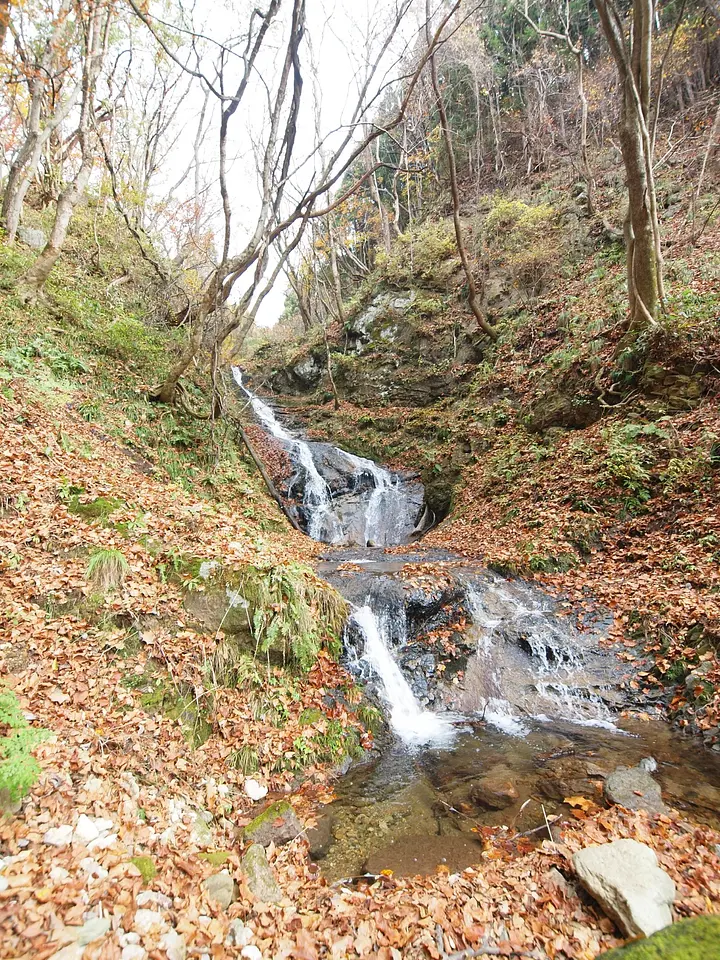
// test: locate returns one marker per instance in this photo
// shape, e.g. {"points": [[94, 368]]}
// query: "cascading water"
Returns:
{"points": [[527, 666], [410, 722], [374, 506]]}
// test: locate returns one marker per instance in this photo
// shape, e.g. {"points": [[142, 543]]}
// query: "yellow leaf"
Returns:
{"points": [[581, 802]]}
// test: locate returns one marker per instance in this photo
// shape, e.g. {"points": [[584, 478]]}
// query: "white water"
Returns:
{"points": [[412, 724], [546, 678], [322, 524], [386, 510]]}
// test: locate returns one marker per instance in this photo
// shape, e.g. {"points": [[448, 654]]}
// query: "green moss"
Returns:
{"points": [[216, 858], [310, 716], [146, 866], [98, 509], [278, 809], [178, 705], [694, 939]]}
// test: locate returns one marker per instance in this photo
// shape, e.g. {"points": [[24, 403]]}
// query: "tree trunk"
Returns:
{"points": [[165, 393]]}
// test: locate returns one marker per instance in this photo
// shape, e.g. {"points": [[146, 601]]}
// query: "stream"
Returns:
{"points": [[498, 705]]}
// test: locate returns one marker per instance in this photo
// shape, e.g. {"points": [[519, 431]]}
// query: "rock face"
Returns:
{"points": [[260, 877], [625, 879], [635, 789], [694, 939], [277, 824]]}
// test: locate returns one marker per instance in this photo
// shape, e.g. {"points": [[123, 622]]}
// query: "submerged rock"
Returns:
{"points": [[625, 879], [694, 939], [635, 789], [494, 792], [277, 824]]}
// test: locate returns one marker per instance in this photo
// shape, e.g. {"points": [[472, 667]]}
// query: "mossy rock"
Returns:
{"points": [[98, 509], [277, 824], [695, 939]]}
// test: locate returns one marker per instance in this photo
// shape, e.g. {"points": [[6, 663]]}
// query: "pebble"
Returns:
{"points": [[133, 952], [147, 921], [59, 875], [251, 953], [93, 929], [151, 896], [238, 934], [254, 789], [93, 869], [173, 945], [126, 939], [59, 836], [4, 884]]}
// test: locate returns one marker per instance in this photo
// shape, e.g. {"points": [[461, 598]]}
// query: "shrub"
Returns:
{"points": [[107, 569], [19, 769], [427, 253], [527, 239]]}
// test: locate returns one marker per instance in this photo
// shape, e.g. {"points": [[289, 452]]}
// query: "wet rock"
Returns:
{"points": [[494, 792], [308, 371], [415, 855], [320, 837], [221, 889], [260, 876], [635, 789], [694, 939], [569, 777], [625, 879], [277, 824]]}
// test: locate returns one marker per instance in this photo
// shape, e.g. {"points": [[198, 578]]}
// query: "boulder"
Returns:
{"points": [[625, 879], [260, 877], [277, 824], [35, 239], [320, 837], [694, 939], [221, 889], [494, 793], [635, 789]]}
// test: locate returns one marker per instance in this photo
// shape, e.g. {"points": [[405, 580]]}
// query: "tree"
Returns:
{"points": [[633, 60], [95, 24]]}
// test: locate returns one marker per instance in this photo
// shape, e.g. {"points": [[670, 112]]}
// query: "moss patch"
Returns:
{"points": [[146, 866], [695, 939]]}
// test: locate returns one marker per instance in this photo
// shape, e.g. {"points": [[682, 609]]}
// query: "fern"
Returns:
{"points": [[19, 769]]}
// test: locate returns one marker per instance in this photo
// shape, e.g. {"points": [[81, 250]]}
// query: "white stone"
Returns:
{"points": [[4, 884], [59, 836], [85, 830], [255, 790], [102, 843], [251, 953], [151, 896], [238, 934], [133, 951], [126, 939], [173, 945], [94, 870], [147, 921], [93, 929], [59, 875], [625, 879], [73, 951]]}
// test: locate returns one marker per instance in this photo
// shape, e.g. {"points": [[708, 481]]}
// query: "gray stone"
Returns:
{"points": [[260, 877], [93, 929], [625, 879], [277, 824], [35, 239], [320, 837], [648, 764], [635, 789], [238, 934], [221, 889]]}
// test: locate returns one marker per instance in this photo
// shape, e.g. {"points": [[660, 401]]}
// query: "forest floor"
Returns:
{"points": [[172, 815]]}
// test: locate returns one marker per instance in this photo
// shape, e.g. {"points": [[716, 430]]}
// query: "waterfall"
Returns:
{"points": [[528, 665], [323, 524], [374, 505], [409, 721]]}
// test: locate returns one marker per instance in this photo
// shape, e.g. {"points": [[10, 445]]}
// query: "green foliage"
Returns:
{"points": [[19, 769], [424, 253], [293, 612], [245, 759], [106, 569], [526, 239], [627, 460]]}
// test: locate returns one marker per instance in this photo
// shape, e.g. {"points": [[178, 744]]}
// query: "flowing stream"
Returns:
{"points": [[482, 680]]}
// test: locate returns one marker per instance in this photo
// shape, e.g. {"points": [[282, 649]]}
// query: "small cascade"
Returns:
{"points": [[345, 498], [413, 725], [528, 664]]}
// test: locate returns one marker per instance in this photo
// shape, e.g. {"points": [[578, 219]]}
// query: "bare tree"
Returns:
{"points": [[473, 295], [633, 60], [95, 36]]}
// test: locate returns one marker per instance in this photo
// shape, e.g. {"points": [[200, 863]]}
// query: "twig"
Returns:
{"points": [[484, 950]]}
